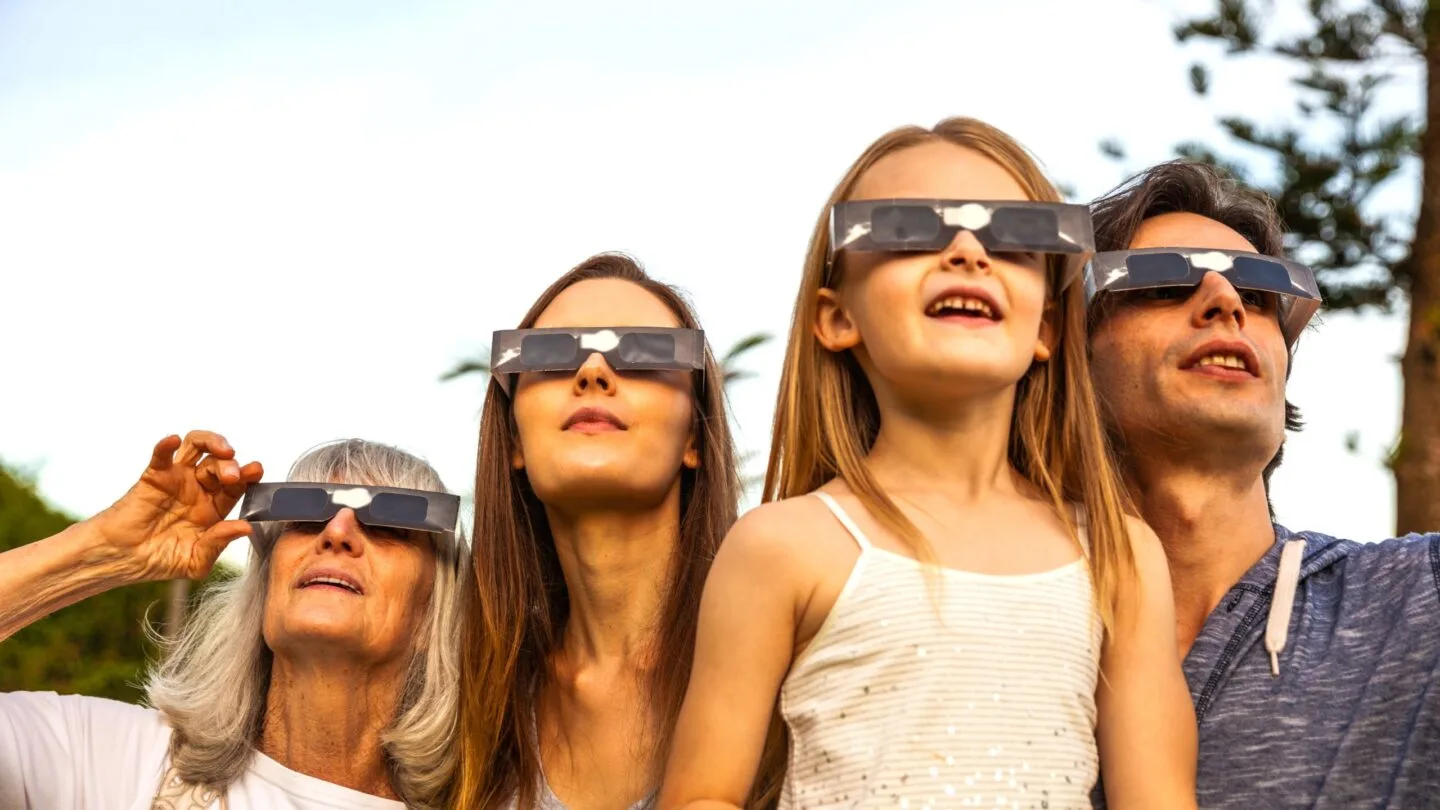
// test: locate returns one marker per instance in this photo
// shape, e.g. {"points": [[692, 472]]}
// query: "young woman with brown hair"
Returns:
{"points": [[606, 480], [944, 591]]}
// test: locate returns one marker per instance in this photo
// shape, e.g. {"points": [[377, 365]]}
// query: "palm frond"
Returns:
{"points": [[465, 368], [738, 350]]}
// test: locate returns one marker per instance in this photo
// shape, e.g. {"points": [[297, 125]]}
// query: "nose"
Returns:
{"points": [[965, 253], [1215, 299], [596, 376], [341, 535]]}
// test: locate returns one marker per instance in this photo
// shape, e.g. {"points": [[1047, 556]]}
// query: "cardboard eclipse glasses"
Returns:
{"points": [[926, 225], [625, 348], [390, 507], [1155, 268]]}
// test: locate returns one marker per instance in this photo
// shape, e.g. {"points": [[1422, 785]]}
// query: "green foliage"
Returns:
{"points": [[1330, 157], [730, 363], [1322, 186], [95, 647], [467, 367]]}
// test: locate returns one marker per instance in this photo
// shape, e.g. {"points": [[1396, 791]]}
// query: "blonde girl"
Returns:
{"points": [[943, 592]]}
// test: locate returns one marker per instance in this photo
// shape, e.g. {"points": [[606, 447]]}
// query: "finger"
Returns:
{"points": [[252, 473], [222, 534], [164, 453], [210, 545], [213, 473], [231, 492], [199, 442]]}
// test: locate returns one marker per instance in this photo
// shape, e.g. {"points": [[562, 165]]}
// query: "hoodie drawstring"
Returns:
{"points": [[1277, 627]]}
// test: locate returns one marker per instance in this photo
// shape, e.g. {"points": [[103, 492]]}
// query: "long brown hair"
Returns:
{"points": [[520, 603], [827, 418]]}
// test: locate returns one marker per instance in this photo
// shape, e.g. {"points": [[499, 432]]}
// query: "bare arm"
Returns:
{"points": [[744, 646], [1147, 733], [169, 525]]}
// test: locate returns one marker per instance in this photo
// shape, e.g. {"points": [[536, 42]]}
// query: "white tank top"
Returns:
{"points": [[987, 702]]}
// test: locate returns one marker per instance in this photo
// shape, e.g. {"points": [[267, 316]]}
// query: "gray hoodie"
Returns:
{"points": [[1352, 719]]}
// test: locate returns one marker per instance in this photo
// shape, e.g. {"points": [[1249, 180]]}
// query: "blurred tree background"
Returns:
{"points": [[94, 647], [1327, 158]]}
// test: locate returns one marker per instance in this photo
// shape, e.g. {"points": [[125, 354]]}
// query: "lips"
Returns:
{"points": [[592, 419], [330, 578], [1232, 358]]}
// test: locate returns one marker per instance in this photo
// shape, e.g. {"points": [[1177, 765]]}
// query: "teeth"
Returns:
{"points": [[1225, 360], [331, 581], [963, 304]]}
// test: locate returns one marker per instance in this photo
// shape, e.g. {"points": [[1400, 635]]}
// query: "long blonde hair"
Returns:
{"points": [[826, 419]]}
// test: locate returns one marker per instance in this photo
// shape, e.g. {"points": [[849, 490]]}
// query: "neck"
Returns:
{"points": [[961, 447], [1214, 523], [324, 719], [616, 566]]}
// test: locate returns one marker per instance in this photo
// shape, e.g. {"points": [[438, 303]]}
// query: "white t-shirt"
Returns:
{"points": [[81, 753]]}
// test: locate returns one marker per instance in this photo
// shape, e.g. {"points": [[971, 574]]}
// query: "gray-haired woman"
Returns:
{"points": [[324, 676]]}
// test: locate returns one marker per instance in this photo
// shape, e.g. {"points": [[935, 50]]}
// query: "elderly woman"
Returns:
{"points": [[322, 677]]}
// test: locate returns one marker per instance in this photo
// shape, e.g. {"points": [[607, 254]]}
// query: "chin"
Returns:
{"points": [[619, 484], [1232, 421], [968, 375], [315, 629]]}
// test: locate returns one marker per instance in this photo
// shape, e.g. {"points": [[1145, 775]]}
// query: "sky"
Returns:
{"points": [[283, 221]]}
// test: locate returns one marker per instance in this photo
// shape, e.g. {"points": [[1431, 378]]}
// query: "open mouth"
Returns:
{"points": [[967, 307], [1234, 361], [1223, 359], [331, 582]]}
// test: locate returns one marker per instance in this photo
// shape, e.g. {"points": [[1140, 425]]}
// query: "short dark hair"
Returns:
{"points": [[1188, 187]]}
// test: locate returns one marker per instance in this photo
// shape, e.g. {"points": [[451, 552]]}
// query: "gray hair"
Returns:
{"points": [[211, 682]]}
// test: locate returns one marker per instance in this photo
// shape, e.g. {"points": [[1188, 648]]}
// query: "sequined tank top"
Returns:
{"points": [[987, 701]]}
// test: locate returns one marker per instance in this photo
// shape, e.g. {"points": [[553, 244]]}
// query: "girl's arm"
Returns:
{"points": [[744, 646], [1147, 734]]}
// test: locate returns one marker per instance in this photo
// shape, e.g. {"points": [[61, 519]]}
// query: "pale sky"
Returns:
{"points": [[282, 221]]}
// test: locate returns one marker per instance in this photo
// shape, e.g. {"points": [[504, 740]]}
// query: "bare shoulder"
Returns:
{"points": [[1153, 596], [1149, 553], [777, 532]]}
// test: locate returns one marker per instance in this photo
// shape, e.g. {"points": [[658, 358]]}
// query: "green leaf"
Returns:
{"points": [[1112, 148], [465, 368], [1234, 24], [1199, 79], [737, 350]]}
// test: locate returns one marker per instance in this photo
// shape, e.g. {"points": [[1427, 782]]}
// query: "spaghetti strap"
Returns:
{"points": [[860, 538]]}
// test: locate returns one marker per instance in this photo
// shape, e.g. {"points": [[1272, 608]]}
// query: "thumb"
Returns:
{"points": [[222, 534]]}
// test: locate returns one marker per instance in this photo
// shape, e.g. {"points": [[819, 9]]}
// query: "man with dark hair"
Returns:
{"points": [[1314, 662]]}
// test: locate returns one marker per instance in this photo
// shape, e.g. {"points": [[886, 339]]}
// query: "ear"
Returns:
{"points": [[517, 457], [1048, 333], [691, 459], [833, 326]]}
